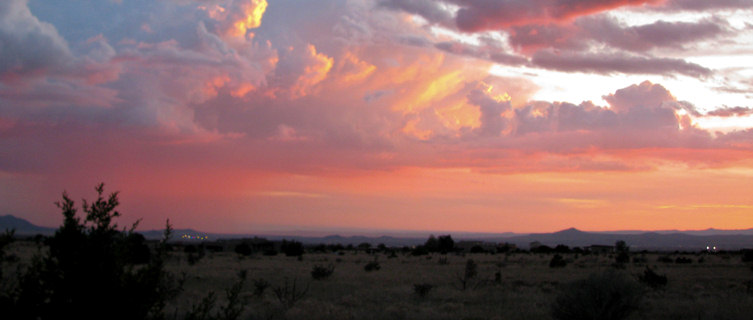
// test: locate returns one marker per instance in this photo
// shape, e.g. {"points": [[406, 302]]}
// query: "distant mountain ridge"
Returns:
{"points": [[637, 240]]}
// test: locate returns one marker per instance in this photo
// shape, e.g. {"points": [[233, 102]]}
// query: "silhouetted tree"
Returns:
{"points": [[292, 248], [557, 262], [432, 244], [445, 244], [622, 250], [243, 249], [88, 271]]}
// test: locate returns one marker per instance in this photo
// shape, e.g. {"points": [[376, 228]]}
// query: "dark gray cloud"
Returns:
{"points": [[431, 10], [702, 5], [649, 36], [607, 63], [731, 112], [28, 46]]}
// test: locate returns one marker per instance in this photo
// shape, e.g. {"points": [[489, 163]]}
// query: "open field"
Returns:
{"points": [[718, 287]]}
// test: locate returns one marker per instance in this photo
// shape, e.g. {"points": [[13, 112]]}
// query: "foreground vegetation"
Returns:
{"points": [[192, 282]]}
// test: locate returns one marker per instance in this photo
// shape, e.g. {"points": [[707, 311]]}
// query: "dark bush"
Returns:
{"points": [[372, 266], [683, 260], [469, 274], [260, 285], [477, 249], [653, 279], [603, 296], [445, 244], [135, 249], [291, 248], [419, 251], [230, 311], [542, 249], [747, 255], [322, 272], [88, 271], [557, 262], [288, 294], [243, 249], [623, 251], [422, 289], [665, 259]]}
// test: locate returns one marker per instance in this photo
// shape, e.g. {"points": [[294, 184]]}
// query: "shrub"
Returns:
{"points": [[322, 272], [260, 285], [652, 279], [469, 274], [419, 251], [477, 249], [288, 294], [604, 296], [747, 255], [230, 311], [291, 248], [557, 262], [683, 260], [372, 266], [422, 289], [243, 249], [89, 270]]}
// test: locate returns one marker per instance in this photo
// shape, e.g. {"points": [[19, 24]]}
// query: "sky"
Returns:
{"points": [[267, 116]]}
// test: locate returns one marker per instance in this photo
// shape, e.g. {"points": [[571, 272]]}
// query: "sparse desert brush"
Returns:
{"points": [[609, 295], [372, 266], [422, 289], [653, 279], [322, 272], [468, 277], [260, 285], [557, 262], [290, 293]]}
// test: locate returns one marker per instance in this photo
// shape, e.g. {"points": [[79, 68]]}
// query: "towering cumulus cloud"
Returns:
{"points": [[236, 114]]}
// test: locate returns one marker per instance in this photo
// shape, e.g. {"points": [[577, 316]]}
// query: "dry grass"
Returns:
{"points": [[714, 289]]}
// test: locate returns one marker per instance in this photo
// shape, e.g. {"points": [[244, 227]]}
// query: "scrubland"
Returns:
{"points": [[504, 286]]}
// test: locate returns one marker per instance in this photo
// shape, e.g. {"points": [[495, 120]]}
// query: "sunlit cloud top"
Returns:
{"points": [[275, 106]]}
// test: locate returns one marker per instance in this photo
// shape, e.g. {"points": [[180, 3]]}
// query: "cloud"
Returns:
{"points": [[27, 45], [730, 112], [701, 5], [432, 11], [654, 35], [608, 63], [237, 17], [479, 15]]}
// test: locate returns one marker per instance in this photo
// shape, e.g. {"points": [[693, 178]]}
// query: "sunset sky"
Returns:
{"points": [[276, 116]]}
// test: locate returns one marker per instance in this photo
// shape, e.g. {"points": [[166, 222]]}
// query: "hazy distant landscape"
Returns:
{"points": [[667, 240]]}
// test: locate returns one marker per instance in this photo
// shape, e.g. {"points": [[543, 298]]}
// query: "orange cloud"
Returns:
{"points": [[313, 74], [352, 69], [238, 17], [252, 13], [242, 90]]}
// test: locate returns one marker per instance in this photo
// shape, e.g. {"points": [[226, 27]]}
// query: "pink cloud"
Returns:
{"points": [[489, 15]]}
